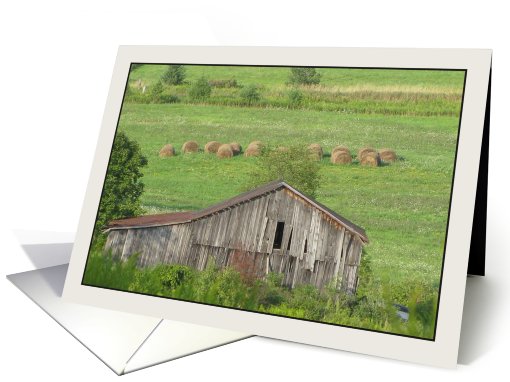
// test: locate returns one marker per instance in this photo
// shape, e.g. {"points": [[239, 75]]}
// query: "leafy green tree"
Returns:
{"points": [[304, 76], [157, 88], [250, 94], [294, 165], [174, 75], [156, 91], [122, 187], [200, 90]]}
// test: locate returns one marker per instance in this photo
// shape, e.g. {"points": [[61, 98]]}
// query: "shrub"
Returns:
{"points": [[174, 75], [230, 289], [295, 97], [200, 90], [295, 166], [173, 276], [203, 290], [304, 76], [157, 89], [250, 94], [168, 98], [271, 292], [157, 95], [309, 299]]}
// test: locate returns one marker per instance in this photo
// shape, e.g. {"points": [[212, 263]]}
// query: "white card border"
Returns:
{"points": [[441, 352]]}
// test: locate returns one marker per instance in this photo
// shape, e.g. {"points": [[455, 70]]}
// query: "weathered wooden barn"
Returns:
{"points": [[274, 228]]}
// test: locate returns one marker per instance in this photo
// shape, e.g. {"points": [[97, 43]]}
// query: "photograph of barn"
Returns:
{"points": [[273, 228], [258, 187]]}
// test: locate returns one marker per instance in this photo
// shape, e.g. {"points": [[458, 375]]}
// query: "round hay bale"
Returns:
{"points": [[341, 157], [371, 159], [340, 148], [167, 151], [224, 151], [316, 151], [252, 151], [212, 147], [236, 148], [363, 151], [189, 147], [257, 144], [388, 155]]}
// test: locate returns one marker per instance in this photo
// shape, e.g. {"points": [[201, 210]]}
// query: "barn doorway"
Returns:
{"points": [[278, 236]]}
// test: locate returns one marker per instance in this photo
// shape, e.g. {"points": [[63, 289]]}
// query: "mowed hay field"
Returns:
{"points": [[403, 206]]}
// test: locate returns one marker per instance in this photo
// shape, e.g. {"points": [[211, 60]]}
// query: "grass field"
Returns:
{"points": [[402, 206]]}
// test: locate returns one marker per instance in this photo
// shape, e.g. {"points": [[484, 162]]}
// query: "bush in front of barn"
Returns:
{"points": [[226, 287], [173, 276]]}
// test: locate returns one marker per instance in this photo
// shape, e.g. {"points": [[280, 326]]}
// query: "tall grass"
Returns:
{"points": [[391, 101], [369, 91], [227, 287]]}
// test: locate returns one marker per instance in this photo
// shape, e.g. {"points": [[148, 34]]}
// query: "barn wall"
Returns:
{"points": [[165, 244], [242, 236], [251, 227]]}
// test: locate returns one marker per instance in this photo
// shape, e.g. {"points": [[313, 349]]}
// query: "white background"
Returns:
{"points": [[56, 62]]}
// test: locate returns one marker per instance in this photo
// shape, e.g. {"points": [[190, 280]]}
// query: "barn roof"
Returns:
{"points": [[151, 220], [185, 217]]}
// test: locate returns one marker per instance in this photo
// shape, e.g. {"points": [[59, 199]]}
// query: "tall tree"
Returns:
{"points": [[123, 186], [174, 75]]}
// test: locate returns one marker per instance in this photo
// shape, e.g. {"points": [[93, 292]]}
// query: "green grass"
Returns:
{"points": [[329, 77], [403, 206]]}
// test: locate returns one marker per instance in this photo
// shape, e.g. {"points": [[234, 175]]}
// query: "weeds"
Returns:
{"points": [[225, 287]]}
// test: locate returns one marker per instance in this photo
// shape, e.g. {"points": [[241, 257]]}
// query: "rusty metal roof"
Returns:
{"points": [[151, 220], [185, 217]]}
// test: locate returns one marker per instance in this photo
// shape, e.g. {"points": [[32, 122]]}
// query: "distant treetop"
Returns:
{"points": [[174, 75], [304, 76]]}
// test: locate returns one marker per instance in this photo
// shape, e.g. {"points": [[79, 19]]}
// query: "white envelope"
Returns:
{"points": [[124, 342]]}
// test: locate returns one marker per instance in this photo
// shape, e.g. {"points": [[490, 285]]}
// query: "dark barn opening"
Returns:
{"points": [[278, 236]]}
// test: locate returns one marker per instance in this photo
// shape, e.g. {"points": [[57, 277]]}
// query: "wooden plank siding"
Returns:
{"points": [[315, 249]]}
